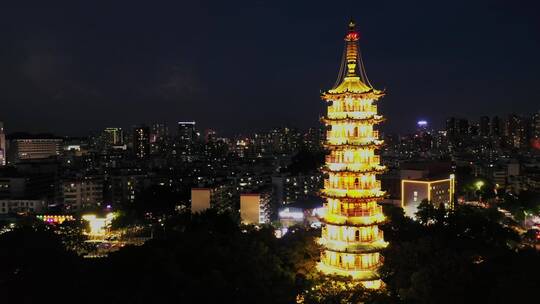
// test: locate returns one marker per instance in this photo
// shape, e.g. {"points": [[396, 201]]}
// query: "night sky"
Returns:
{"points": [[240, 66]]}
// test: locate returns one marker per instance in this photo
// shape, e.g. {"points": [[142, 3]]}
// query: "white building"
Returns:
{"points": [[22, 206], [34, 148]]}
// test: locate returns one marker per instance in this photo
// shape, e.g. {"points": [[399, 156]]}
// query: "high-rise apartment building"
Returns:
{"points": [[186, 138], [484, 126], [3, 154], [535, 125], [80, 193], [159, 133], [141, 142], [113, 137], [496, 129]]}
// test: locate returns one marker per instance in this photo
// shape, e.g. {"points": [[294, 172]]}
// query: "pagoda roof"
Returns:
{"points": [[352, 76], [353, 84]]}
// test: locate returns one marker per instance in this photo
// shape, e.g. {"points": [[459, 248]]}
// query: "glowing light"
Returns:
{"points": [[351, 237], [55, 219], [290, 214], [352, 36], [98, 226], [479, 184], [422, 123]]}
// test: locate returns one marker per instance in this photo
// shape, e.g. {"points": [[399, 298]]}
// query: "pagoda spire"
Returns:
{"points": [[351, 49], [352, 76]]}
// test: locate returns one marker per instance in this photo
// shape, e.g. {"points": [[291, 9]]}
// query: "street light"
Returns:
{"points": [[479, 184]]}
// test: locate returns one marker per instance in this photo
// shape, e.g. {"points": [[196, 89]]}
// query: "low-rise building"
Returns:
{"points": [[200, 199], [437, 191], [80, 193], [34, 148], [22, 206]]}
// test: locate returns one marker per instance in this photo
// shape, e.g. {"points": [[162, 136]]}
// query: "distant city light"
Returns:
{"points": [[55, 219], [290, 214], [98, 225], [422, 123]]}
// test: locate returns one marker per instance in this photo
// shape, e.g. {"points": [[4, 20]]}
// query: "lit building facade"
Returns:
{"points": [[186, 138], [159, 134], [200, 199], [98, 227], [435, 191], [81, 193], [34, 148], [113, 137], [351, 236], [253, 208], [141, 142]]}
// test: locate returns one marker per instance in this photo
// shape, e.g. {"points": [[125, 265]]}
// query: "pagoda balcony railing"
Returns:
{"points": [[351, 242], [337, 159], [355, 266], [342, 185], [356, 211], [370, 136], [367, 110], [359, 141], [350, 193], [362, 167]]}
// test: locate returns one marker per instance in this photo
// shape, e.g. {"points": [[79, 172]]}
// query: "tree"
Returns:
{"points": [[426, 213], [36, 257], [332, 289], [73, 238], [461, 257]]}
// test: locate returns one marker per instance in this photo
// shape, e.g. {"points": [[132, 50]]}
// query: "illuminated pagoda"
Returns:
{"points": [[351, 236]]}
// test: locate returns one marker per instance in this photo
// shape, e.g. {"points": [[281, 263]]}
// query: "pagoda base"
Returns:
{"points": [[360, 275], [368, 278]]}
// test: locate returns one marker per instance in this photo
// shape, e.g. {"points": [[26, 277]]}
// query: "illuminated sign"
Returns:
{"points": [[55, 219], [422, 123]]}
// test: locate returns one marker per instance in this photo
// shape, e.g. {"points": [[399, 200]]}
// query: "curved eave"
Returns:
{"points": [[353, 200], [362, 275], [371, 94], [348, 119], [348, 247], [373, 144], [370, 198], [376, 170], [351, 221]]}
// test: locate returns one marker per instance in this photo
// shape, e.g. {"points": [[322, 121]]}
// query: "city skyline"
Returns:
{"points": [[201, 152], [196, 62]]}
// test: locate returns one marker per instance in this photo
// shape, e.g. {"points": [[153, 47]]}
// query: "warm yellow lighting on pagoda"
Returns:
{"points": [[351, 236]]}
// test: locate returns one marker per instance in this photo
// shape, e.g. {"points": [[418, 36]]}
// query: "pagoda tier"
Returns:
{"points": [[327, 96], [351, 119], [351, 236]]}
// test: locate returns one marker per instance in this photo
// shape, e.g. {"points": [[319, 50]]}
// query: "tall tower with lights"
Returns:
{"points": [[351, 236]]}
